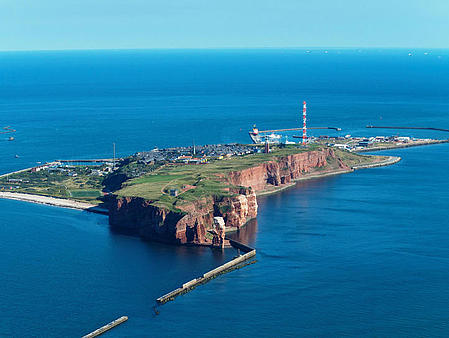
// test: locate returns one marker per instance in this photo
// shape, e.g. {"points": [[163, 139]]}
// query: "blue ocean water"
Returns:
{"points": [[360, 254]]}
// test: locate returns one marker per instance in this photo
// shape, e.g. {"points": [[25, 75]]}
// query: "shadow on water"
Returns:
{"points": [[247, 234], [173, 253]]}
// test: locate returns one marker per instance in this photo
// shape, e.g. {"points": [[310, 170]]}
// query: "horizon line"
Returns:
{"points": [[216, 48]]}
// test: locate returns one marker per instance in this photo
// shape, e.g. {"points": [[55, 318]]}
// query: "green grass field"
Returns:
{"points": [[80, 193], [210, 179], [153, 182]]}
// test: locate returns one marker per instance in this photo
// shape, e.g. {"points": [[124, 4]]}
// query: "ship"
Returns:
{"points": [[258, 138]]}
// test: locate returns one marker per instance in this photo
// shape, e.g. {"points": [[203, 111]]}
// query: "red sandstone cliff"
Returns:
{"points": [[285, 169], [190, 224], [187, 226]]}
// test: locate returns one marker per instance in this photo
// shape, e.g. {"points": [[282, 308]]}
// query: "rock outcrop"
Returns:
{"points": [[285, 169], [189, 223]]}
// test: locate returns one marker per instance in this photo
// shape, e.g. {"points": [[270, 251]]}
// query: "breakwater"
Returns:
{"points": [[389, 161], [234, 264], [26, 169], [106, 327], [404, 145]]}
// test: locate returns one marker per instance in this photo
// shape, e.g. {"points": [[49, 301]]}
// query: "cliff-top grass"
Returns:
{"points": [[206, 179], [154, 182]]}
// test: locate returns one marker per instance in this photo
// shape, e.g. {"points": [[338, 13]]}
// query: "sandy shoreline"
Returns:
{"points": [[57, 202]]}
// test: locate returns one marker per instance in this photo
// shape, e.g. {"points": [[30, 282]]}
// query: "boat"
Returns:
{"points": [[258, 138]]}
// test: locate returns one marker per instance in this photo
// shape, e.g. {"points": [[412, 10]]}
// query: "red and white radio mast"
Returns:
{"points": [[304, 119]]}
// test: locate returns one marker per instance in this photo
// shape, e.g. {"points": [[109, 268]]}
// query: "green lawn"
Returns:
{"points": [[209, 179], [84, 193]]}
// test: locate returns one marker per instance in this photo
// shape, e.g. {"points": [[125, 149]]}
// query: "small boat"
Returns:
{"points": [[11, 138], [17, 156]]}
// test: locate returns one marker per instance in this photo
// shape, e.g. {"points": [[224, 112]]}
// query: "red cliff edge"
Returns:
{"points": [[190, 223]]}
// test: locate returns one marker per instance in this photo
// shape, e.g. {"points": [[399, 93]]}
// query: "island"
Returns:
{"points": [[183, 195]]}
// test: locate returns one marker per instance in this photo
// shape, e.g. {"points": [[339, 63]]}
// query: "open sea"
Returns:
{"points": [[361, 254]]}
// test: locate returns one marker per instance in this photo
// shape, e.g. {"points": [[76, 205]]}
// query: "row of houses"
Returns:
{"points": [[195, 154]]}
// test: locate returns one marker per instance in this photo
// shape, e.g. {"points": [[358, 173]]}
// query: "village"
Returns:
{"points": [[196, 154]]}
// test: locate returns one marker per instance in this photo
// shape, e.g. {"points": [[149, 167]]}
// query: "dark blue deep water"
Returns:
{"points": [[362, 254]]}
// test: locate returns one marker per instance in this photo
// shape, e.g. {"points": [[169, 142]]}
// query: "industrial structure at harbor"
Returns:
{"points": [[347, 142]]}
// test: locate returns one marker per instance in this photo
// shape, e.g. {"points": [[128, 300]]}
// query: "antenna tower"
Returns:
{"points": [[304, 120]]}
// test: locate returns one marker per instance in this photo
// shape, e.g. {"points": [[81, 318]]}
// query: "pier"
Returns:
{"points": [[404, 145], [106, 327], [24, 170], [296, 129], [420, 128], [234, 264]]}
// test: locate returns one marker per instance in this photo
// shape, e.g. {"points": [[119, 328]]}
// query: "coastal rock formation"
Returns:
{"points": [[135, 215], [219, 232], [285, 169], [189, 223]]}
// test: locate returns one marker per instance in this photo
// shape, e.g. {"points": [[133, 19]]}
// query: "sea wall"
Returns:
{"points": [[188, 223]]}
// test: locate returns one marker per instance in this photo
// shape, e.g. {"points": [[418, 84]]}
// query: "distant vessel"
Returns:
{"points": [[11, 138], [257, 138], [17, 156]]}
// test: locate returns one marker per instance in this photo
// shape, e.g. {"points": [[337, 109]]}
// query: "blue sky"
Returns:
{"points": [[100, 24]]}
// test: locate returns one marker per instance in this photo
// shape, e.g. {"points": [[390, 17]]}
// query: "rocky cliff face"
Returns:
{"points": [[284, 170], [190, 224]]}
